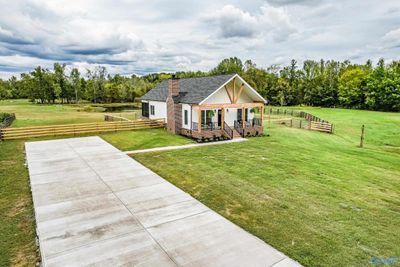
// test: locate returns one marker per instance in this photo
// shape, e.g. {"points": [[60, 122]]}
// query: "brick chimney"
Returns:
{"points": [[173, 86], [174, 110]]}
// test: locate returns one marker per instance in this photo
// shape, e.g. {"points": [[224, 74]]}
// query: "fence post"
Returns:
{"points": [[300, 124], [291, 122], [362, 136]]}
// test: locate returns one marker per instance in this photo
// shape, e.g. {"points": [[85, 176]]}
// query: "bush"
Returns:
{"points": [[3, 116]]}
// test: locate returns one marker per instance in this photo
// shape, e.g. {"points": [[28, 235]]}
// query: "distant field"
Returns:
{"points": [[382, 128], [29, 114]]}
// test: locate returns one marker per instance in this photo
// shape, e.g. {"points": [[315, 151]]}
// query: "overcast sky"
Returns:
{"points": [[154, 35]]}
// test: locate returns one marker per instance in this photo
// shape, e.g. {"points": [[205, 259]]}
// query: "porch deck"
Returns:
{"points": [[215, 130]]}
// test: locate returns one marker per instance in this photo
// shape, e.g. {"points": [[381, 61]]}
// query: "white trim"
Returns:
{"points": [[234, 76]]}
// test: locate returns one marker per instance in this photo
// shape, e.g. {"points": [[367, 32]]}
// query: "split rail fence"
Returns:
{"points": [[75, 129]]}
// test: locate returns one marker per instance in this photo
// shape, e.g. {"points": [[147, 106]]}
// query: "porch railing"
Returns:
{"points": [[209, 126], [253, 122], [228, 130], [238, 127]]}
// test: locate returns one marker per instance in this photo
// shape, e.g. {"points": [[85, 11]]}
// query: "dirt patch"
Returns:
{"points": [[19, 207], [24, 257]]}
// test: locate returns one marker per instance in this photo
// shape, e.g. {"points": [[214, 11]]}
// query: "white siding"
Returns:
{"points": [[230, 116], [160, 110], [188, 109]]}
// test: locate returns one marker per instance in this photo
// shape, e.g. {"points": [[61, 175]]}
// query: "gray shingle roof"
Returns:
{"points": [[191, 90]]}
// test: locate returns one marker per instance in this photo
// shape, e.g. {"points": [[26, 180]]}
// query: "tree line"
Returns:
{"points": [[97, 86], [323, 83], [315, 83]]}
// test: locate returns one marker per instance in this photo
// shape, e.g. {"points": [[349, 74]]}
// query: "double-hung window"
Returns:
{"points": [[152, 111], [186, 117]]}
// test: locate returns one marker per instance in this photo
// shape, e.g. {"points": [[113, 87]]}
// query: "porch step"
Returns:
{"points": [[236, 134]]}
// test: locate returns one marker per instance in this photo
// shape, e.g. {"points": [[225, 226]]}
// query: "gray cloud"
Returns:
{"points": [[294, 2], [140, 37]]}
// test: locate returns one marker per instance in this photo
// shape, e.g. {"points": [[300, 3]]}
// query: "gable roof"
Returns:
{"points": [[191, 90], [197, 89]]}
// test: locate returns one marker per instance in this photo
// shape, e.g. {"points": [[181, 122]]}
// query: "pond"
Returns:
{"points": [[120, 108]]}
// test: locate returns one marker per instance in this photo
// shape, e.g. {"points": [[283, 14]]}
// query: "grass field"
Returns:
{"points": [[382, 129], [34, 114], [317, 197]]}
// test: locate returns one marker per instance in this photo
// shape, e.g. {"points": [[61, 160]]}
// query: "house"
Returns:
{"points": [[206, 107]]}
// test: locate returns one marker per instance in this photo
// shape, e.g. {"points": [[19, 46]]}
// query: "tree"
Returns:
{"points": [[229, 65], [61, 84], [5, 93], [383, 88], [76, 83], [352, 85]]}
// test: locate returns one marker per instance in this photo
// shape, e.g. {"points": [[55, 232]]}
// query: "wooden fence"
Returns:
{"points": [[311, 122], [321, 126], [74, 129]]}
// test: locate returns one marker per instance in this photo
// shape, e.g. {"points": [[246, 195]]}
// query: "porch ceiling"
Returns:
{"points": [[229, 105]]}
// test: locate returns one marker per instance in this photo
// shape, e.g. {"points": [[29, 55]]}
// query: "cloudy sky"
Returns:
{"points": [[154, 35]]}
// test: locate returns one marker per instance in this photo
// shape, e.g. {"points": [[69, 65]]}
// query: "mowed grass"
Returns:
{"points": [[151, 138], [17, 221], [317, 197], [382, 129], [29, 114]]}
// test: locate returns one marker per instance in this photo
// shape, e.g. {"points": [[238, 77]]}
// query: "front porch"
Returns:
{"points": [[213, 121]]}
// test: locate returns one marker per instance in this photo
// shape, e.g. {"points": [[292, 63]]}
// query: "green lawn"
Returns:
{"points": [[131, 140], [317, 197], [382, 129], [29, 114]]}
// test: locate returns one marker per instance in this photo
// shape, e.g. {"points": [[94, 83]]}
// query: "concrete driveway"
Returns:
{"points": [[95, 205]]}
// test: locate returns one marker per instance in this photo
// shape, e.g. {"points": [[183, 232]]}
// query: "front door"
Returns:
{"points": [[219, 117]]}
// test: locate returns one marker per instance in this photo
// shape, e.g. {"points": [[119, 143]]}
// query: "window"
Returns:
{"points": [[152, 111], [186, 117], [206, 117]]}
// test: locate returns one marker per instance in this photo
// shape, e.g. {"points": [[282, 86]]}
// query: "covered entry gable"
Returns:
{"points": [[234, 91]]}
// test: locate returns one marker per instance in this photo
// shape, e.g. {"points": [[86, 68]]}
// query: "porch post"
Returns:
{"points": [[243, 110], [222, 118], [199, 115], [262, 115]]}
